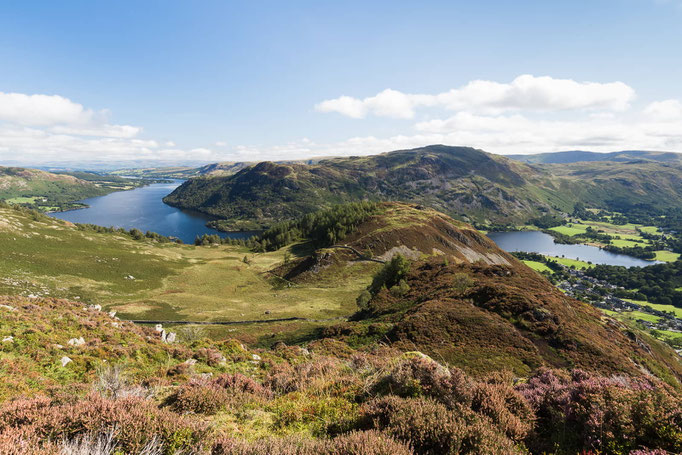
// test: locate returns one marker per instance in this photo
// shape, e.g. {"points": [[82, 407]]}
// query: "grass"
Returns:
{"points": [[667, 256], [633, 315], [666, 308], [537, 266], [621, 243], [24, 200], [572, 230], [572, 262], [671, 334], [649, 229], [170, 282]]}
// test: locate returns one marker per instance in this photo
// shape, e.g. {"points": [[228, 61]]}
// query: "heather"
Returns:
{"points": [[444, 356], [326, 398]]}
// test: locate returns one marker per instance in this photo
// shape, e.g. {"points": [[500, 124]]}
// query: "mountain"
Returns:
{"points": [[223, 168], [503, 316], [54, 191], [466, 183], [455, 180], [579, 155], [458, 349]]}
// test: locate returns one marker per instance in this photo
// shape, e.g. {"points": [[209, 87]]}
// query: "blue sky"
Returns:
{"points": [[179, 81]]}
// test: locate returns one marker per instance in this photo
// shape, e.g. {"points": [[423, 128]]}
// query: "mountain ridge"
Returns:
{"points": [[464, 182]]}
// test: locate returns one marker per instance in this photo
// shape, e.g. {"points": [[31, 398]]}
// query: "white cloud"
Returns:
{"points": [[665, 110], [42, 128], [528, 115], [42, 110], [526, 92]]}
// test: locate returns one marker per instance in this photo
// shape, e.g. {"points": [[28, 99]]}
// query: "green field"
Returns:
{"points": [[667, 308], [572, 230], [633, 315], [622, 236], [146, 280], [24, 200], [622, 243], [667, 256], [572, 262], [537, 266]]}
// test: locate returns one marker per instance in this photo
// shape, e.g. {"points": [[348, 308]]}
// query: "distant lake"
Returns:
{"points": [[143, 208], [539, 242]]}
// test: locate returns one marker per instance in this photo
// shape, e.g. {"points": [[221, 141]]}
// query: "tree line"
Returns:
{"points": [[323, 228]]}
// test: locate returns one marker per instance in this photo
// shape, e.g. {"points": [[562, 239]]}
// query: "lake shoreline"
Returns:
{"points": [[542, 243]]}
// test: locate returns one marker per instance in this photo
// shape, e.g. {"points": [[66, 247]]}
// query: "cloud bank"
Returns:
{"points": [[527, 115], [526, 92]]}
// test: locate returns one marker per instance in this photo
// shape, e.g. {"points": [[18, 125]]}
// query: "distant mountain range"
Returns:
{"points": [[463, 182], [579, 155]]}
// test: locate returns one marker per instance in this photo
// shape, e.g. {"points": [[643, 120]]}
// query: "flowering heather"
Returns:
{"points": [[580, 411], [218, 398]]}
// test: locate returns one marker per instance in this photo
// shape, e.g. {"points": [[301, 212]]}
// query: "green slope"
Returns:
{"points": [[463, 182], [50, 191]]}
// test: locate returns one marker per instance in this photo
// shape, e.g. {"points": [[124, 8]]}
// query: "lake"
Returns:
{"points": [[143, 208], [539, 242]]}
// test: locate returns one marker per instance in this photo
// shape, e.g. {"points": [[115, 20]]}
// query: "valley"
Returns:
{"points": [[336, 312]]}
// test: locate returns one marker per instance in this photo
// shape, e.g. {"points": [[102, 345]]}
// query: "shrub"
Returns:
{"points": [[356, 443], [393, 271], [433, 429], [136, 421], [494, 398], [363, 299], [614, 415], [400, 289], [461, 282], [285, 378], [208, 396]]}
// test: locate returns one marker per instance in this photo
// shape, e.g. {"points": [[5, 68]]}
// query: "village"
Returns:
{"points": [[600, 294]]}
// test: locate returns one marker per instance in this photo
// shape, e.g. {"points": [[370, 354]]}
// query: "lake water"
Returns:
{"points": [[143, 208], [539, 242]]}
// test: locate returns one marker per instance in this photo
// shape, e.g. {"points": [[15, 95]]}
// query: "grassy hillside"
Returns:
{"points": [[484, 318], [578, 156], [465, 183], [123, 390], [75, 379], [49, 191], [455, 180], [619, 186], [521, 368], [149, 280]]}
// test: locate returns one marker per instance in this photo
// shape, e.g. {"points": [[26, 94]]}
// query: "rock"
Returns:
{"points": [[112, 314], [76, 341], [206, 375], [8, 339], [190, 362], [158, 328], [65, 361], [170, 338], [8, 308], [58, 346], [95, 307], [255, 357]]}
